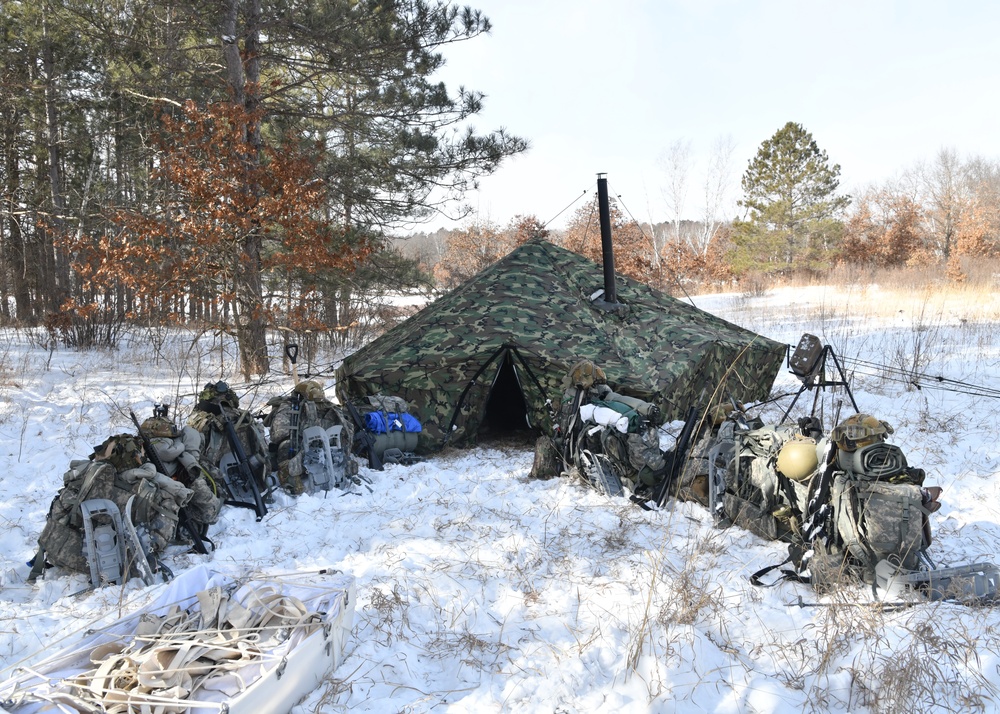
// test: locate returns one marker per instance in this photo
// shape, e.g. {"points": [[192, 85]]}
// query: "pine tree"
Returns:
{"points": [[789, 191]]}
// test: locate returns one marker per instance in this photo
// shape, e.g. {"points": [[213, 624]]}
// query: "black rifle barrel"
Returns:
{"points": [[243, 463], [182, 514]]}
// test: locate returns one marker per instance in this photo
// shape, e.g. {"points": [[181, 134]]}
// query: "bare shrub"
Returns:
{"points": [[916, 350], [754, 285]]}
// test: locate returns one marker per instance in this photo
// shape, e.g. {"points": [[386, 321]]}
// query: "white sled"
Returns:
{"points": [[289, 634]]}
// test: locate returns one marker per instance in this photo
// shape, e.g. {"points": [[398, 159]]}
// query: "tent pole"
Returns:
{"points": [[458, 406]]}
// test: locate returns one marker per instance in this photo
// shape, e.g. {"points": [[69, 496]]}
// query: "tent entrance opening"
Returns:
{"points": [[506, 410]]}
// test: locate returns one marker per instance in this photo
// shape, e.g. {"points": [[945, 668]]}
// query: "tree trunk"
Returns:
{"points": [[14, 252], [243, 72], [59, 257]]}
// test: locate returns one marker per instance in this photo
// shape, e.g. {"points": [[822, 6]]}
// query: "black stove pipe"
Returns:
{"points": [[607, 250]]}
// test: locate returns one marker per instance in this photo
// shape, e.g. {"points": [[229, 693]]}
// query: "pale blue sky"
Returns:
{"points": [[600, 86]]}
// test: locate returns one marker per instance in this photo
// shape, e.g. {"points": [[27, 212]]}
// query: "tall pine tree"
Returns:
{"points": [[790, 193]]}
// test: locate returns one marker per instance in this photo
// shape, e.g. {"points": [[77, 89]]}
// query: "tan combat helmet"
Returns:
{"points": [[798, 458], [859, 430]]}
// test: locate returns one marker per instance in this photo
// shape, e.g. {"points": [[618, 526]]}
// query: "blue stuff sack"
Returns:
{"points": [[376, 422]]}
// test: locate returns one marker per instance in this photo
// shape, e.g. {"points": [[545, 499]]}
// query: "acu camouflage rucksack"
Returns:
{"points": [[310, 440], [218, 404], [117, 471], [180, 454]]}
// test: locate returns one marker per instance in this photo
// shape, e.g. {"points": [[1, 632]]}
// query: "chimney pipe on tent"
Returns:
{"points": [[607, 249], [610, 297]]}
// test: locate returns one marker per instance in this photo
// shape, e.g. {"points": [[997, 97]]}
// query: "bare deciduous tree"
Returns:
{"points": [[718, 191], [676, 163], [941, 189]]}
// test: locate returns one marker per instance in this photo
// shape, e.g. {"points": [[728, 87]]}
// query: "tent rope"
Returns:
{"points": [[568, 206]]}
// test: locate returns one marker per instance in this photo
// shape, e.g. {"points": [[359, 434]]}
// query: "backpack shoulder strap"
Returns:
{"points": [[795, 558]]}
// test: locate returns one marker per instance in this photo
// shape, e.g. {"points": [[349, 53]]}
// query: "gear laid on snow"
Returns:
{"points": [[309, 441], [848, 505]]}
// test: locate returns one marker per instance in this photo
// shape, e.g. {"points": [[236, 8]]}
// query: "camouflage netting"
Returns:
{"points": [[532, 311]]}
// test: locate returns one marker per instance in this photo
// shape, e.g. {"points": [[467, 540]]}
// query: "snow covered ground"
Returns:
{"points": [[480, 590]]}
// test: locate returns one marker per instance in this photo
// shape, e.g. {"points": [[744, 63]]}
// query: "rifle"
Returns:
{"points": [[364, 442], [673, 468], [245, 479], [183, 519]]}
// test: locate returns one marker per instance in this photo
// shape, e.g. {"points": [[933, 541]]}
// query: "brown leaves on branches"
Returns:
{"points": [[216, 196]]}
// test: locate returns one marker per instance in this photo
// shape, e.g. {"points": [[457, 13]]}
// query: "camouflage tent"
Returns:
{"points": [[493, 352]]}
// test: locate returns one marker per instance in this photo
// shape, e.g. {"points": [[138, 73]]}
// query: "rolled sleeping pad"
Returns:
{"points": [[876, 461], [405, 441], [648, 410]]}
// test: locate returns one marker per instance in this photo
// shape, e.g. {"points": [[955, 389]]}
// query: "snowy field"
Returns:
{"points": [[480, 590]]}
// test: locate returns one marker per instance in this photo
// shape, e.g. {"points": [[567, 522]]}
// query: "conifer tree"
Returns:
{"points": [[790, 194]]}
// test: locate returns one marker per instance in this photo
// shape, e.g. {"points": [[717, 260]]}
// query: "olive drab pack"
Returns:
{"points": [[391, 429], [296, 424]]}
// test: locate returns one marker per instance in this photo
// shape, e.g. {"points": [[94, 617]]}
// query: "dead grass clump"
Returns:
{"points": [[930, 663], [479, 654], [392, 611], [690, 593], [694, 588]]}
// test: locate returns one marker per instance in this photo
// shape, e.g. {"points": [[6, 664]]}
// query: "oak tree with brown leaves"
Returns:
{"points": [[632, 245], [480, 244], [217, 200], [883, 231]]}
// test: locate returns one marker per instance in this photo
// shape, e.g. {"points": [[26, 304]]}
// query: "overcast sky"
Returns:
{"points": [[599, 86]]}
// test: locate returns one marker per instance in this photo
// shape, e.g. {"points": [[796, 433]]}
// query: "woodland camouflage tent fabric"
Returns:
{"points": [[532, 312]]}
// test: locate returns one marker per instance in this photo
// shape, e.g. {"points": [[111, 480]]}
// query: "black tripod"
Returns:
{"points": [[809, 363]]}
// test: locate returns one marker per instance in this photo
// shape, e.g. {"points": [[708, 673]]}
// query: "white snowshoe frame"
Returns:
{"points": [[104, 542], [323, 458], [113, 547]]}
